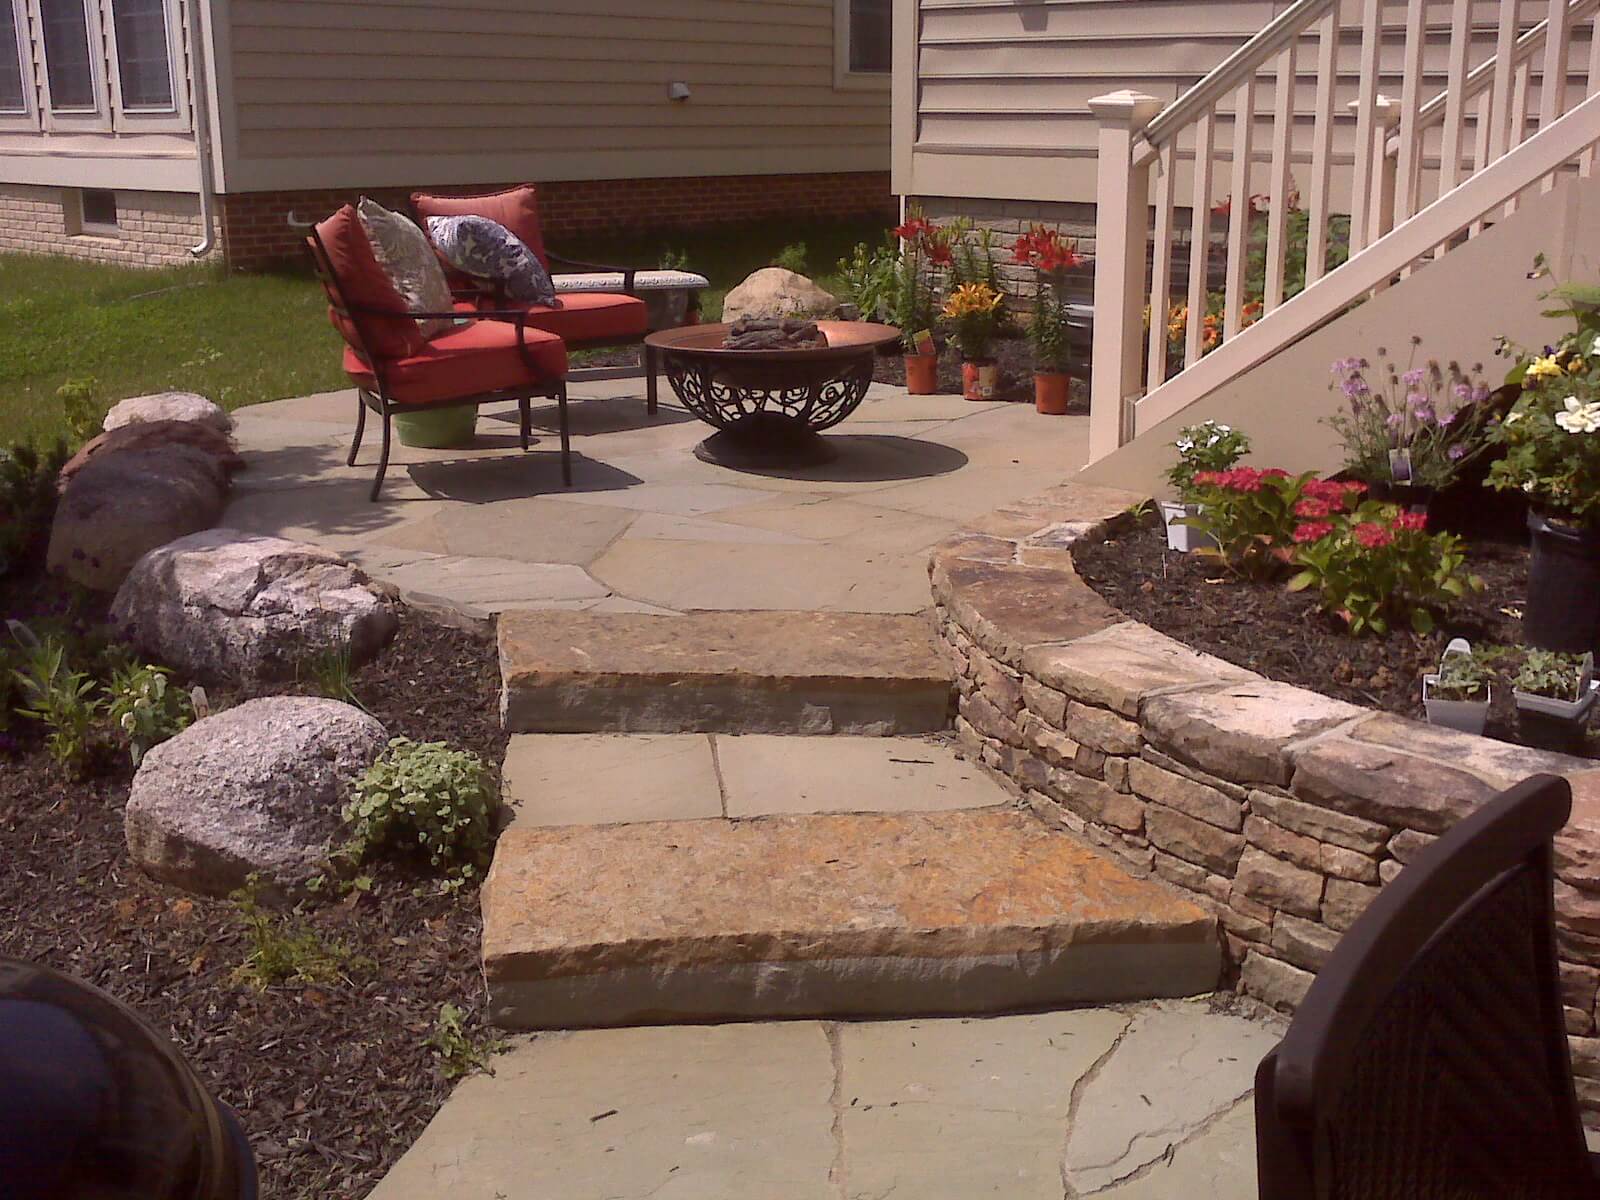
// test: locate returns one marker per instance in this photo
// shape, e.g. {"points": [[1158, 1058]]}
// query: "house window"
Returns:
{"points": [[97, 213], [13, 93], [144, 55], [871, 23], [68, 67]]}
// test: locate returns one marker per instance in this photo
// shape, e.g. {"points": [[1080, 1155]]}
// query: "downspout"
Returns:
{"points": [[200, 105]]}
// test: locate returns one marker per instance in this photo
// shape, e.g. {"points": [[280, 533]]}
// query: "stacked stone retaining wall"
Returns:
{"points": [[1282, 811]]}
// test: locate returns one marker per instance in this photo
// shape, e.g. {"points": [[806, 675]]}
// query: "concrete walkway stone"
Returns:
{"points": [[823, 915], [930, 1109], [608, 778], [764, 775], [1172, 1074]]}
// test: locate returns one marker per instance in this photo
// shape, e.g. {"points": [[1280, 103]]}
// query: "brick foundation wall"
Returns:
{"points": [[155, 229], [256, 233], [1280, 811]]}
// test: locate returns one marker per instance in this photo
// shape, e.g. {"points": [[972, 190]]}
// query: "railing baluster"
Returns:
{"points": [[1480, 147], [1205, 151], [1278, 184], [1408, 176], [1553, 92], [1592, 87], [1244, 123], [1161, 264], [1455, 96], [1322, 146], [1366, 101], [1499, 110], [1521, 86]]}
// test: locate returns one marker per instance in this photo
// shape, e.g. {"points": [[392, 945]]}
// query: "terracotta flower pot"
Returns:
{"points": [[1051, 390], [922, 374], [980, 380]]}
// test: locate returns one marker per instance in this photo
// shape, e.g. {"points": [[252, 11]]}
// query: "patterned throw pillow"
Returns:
{"points": [[486, 249], [409, 262]]}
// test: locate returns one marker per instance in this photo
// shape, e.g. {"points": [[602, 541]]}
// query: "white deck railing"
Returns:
{"points": [[1414, 174]]}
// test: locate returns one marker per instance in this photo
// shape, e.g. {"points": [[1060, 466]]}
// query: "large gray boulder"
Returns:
{"points": [[168, 406], [121, 505], [775, 292], [223, 605], [255, 789]]}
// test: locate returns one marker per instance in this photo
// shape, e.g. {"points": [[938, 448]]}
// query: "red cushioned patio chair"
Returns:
{"points": [[1430, 1057], [585, 320], [491, 355]]}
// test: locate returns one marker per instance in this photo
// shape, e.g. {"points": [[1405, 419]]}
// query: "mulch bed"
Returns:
{"points": [[332, 1082], [1285, 636], [1016, 373]]}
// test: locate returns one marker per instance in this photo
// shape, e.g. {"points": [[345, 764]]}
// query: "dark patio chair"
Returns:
{"points": [[491, 356], [1429, 1060], [585, 320]]}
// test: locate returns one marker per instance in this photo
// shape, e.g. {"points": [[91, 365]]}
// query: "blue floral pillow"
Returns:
{"points": [[486, 249]]}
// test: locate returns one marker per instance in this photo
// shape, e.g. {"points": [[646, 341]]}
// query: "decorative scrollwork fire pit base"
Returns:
{"points": [[770, 406]]}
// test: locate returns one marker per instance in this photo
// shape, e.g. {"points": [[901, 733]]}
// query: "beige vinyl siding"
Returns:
{"points": [[1000, 109], [333, 93]]}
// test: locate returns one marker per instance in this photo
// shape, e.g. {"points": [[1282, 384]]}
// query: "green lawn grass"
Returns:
{"points": [[244, 339]]}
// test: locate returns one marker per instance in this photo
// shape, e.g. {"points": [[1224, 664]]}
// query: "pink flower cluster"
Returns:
{"points": [[1239, 479]]}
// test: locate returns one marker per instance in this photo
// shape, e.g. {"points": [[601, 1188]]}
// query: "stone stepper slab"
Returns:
{"points": [[912, 913], [721, 672]]}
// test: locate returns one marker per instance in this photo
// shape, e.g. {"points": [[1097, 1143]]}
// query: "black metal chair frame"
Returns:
{"points": [[649, 359], [1424, 914], [386, 407]]}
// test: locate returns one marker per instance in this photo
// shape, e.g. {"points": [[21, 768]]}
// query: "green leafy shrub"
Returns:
{"points": [[792, 258], [145, 710], [81, 408], [870, 278], [1550, 673], [63, 700], [460, 1052], [1465, 676], [284, 948], [27, 501], [424, 796], [673, 259], [1251, 515], [1378, 566]]}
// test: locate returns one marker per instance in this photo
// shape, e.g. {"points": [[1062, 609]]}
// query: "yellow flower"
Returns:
{"points": [[1544, 368], [972, 300], [1575, 367]]}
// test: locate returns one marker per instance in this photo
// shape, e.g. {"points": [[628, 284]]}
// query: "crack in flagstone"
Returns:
{"points": [[716, 770], [1078, 1089], [837, 1173], [1163, 1159]]}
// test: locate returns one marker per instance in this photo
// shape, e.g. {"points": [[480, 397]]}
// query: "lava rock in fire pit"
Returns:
{"points": [[773, 333]]}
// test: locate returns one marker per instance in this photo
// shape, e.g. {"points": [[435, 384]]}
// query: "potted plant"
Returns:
{"points": [[1555, 694], [1551, 439], [922, 246], [973, 311], [439, 428], [1209, 446], [1457, 696], [1051, 256], [1408, 433]]}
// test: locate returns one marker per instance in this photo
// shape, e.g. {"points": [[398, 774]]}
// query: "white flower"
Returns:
{"points": [[1579, 417], [1595, 349], [1513, 417]]}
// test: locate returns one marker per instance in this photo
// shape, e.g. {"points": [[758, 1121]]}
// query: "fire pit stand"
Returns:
{"points": [[769, 406]]}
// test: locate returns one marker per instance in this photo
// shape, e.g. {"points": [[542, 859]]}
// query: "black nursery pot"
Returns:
{"points": [[1563, 611]]}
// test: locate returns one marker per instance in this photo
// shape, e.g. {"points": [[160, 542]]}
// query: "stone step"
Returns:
{"points": [[618, 778], [835, 915], [733, 672]]}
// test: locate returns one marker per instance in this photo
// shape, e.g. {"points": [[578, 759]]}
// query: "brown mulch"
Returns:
{"points": [[332, 1082], [1285, 636], [1016, 373]]}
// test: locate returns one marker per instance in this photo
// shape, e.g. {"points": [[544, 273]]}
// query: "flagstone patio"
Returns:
{"points": [[648, 527]]}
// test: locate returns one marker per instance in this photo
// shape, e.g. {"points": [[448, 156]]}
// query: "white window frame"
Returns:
{"points": [[844, 79], [97, 120], [28, 118], [149, 120]]}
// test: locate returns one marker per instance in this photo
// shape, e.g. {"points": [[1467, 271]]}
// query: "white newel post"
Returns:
{"points": [[1121, 244]]}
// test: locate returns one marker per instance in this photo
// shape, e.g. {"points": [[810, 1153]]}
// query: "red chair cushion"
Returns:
{"points": [[592, 317], [364, 284], [476, 358], [516, 208]]}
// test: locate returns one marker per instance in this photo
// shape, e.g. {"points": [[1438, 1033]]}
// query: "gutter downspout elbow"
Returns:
{"points": [[200, 105]]}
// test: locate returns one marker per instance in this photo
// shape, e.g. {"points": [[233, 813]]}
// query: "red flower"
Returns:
{"points": [[1209, 478], [939, 253], [1312, 531], [1274, 473], [1047, 250], [914, 229], [1414, 522], [1373, 536], [1313, 507]]}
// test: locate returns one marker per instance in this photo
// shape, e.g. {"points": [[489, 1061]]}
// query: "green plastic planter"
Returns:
{"points": [[441, 429]]}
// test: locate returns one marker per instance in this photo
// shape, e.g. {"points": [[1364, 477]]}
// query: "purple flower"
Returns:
{"points": [[1457, 452], [1414, 377], [1463, 392]]}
